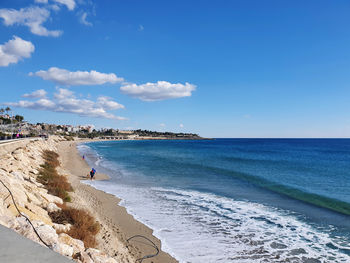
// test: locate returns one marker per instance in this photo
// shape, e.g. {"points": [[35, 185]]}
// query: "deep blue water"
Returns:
{"points": [[290, 198]]}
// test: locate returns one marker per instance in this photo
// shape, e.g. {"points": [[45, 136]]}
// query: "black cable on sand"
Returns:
{"points": [[153, 245]]}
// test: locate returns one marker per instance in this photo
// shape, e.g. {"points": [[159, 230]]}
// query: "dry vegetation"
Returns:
{"points": [[84, 226], [55, 183]]}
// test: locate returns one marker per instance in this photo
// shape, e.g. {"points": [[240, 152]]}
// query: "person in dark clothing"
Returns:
{"points": [[92, 173]]}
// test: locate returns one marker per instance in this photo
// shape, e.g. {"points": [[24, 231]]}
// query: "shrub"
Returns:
{"points": [[84, 226], [56, 184], [69, 138]]}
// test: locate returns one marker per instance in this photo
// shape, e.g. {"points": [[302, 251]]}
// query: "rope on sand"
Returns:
{"points": [[153, 245], [28, 220]]}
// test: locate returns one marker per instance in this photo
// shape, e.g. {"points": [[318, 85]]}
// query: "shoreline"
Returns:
{"points": [[117, 225]]}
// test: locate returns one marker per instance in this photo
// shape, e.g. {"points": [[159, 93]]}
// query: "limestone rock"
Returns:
{"points": [[51, 198], [48, 234], [35, 199], [18, 175], [52, 207], [63, 249], [32, 216], [85, 258], [8, 221], [40, 213], [76, 244], [34, 171]]}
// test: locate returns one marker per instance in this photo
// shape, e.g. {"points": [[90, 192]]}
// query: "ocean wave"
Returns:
{"points": [[203, 227]]}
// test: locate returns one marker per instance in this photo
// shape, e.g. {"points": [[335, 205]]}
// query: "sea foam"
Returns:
{"points": [[198, 226], [201, 227]]}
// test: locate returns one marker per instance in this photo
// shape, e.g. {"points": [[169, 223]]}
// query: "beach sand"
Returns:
{"points": [[116, 224]]}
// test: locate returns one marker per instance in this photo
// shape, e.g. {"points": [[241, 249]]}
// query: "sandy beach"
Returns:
{"points": [[116, 224]]}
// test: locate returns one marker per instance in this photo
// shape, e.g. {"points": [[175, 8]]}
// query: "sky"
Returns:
{"points": [[238, 68]]}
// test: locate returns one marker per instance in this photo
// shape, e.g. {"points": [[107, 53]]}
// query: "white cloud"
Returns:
{"points": [[14, 50], [108, 104], [40, 93], [162, 125], [32, 17], [64, 100], [83, 19], [69, 3], [141, 28], [55, 7], [181, 125], [158, 91], [42, 104], [77, 78]]}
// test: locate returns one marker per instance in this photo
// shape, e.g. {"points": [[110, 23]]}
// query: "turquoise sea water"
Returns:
{"points": [[235, 200]]}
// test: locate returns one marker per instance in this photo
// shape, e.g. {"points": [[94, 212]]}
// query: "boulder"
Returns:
{"points": [[8, 221], [25, 229], [76, 244], [48, 234], [51, 198], [52, 207], [63, 249], [32, 216], [36, 200], [85, 258], [39, 212], [18, 175]]}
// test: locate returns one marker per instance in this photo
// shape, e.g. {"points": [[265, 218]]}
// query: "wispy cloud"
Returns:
{"points": [[77, 78], [32, 17], [40, 93], [181, 125], [70, 4], [160, 90], [64, 100], [41, 1], [14, 50], [83, 19], [140, 28]]}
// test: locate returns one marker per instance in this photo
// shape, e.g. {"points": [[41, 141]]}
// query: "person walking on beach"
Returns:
{"points": [[92, 173], [83, 157]]}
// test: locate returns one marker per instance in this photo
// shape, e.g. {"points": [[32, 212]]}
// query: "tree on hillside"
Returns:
{"points": [[19, 118], [7, 109], [2, 111]]}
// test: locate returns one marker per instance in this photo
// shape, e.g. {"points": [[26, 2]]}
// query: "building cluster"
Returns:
{"points": [[6, 116], [23, 129], [57, 128]]}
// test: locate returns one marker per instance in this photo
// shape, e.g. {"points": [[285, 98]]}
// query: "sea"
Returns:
{"points": [[234, 200]]}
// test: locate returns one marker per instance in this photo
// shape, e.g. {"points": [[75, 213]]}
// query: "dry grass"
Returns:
{"points": [[84, 226], [56, 184]]}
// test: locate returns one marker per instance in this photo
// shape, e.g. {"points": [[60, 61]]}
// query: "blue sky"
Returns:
{"points": [[217, 68]]}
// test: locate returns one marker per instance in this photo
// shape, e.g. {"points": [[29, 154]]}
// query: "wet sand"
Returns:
{"points": [[116, 224]]}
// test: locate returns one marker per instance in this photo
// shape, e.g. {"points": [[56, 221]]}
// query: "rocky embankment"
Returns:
{"points": [[19, 169]]}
